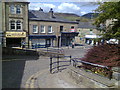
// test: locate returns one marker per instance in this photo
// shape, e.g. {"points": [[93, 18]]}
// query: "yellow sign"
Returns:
{"points": [[16, 34]]}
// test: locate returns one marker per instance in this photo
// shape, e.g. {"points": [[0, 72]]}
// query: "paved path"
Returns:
{"points": [[31, 73]]}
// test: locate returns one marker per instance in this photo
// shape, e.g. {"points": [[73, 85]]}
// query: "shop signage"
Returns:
{"points": [[72, 30], [16, 34]]}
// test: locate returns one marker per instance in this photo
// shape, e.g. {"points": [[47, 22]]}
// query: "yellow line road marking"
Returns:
{"points": [[32, 78]]}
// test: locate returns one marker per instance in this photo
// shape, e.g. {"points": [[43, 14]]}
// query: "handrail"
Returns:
{"points": [[76, 60], [57, 63]]}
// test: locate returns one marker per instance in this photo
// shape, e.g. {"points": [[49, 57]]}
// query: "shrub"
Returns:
{"points": [[107, 55]]}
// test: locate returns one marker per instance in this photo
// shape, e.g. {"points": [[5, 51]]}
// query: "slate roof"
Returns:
{"points": [[37, 15], [86, 25], [14, 0]]}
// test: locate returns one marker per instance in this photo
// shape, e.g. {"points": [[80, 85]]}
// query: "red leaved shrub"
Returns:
{"points": [[107, 55]]}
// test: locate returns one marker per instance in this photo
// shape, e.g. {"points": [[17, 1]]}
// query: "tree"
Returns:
{"points": [[109, 11]]}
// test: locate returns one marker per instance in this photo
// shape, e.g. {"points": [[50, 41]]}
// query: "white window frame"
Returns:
{"points": [[18, 9], [13, 24], [19, 24], [12, 9], [35, 29], [42, 29], [50, 27]]}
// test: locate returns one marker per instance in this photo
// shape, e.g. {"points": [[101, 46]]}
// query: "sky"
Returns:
{"points": [[73, 6]]}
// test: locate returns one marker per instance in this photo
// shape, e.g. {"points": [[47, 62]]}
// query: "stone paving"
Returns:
{"points": [[31, 73]]}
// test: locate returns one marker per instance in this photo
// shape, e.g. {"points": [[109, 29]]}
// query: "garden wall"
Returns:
{"points": [[91, 80]]}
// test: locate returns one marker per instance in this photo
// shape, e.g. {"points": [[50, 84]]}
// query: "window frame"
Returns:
{"points": [[12, 9], [12, 25], [61, 28], [18, 9], [42, 29], [51, 31], [36, 29], [18, 25]]}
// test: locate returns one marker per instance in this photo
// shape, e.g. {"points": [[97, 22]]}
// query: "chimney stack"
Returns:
{"points": [[51, 13], [40, 9]]}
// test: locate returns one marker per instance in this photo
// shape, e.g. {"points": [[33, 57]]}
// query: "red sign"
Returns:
{"points": [[72, 30]]}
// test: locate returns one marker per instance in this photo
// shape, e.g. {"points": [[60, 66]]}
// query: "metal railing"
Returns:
{"points": [[59, 67], [75, 62]]}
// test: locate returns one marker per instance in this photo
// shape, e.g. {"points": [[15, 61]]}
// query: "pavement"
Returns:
{"points": [[34, 72]]}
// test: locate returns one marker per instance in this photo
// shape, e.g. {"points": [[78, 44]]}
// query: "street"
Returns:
{"points": [[34, 73]]}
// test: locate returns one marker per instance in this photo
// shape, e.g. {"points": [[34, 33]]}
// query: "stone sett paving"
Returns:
{"points": [[16, 73]]}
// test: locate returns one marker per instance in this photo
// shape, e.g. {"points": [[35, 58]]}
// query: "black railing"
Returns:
{"points": [[58, 66]]}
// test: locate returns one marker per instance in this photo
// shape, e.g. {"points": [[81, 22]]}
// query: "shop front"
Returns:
{"points": [[41, 41], [67, 38], [15, 39]]}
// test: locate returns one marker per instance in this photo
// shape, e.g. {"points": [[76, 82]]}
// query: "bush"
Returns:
{"points": [[107, 55]]}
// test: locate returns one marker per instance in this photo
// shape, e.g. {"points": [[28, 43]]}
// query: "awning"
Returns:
{"points": [[41, 36], [92, 36]]}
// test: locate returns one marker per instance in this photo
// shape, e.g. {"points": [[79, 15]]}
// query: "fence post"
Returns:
{"points": [[70, 59], [50, 64], [58, 62]]}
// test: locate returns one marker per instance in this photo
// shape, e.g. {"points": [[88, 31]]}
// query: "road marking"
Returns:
{"points": [[31, 80]]}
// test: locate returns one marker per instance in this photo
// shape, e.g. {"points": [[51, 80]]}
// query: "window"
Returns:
{"points": [[12, 25], [35, 29], [12, 9], [42, 29], [18, 9], [72, 27], [49, 29], [61, 28], [19, 25]]}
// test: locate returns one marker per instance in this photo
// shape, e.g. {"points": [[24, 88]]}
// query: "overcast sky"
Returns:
{"points": [[78, 8]]}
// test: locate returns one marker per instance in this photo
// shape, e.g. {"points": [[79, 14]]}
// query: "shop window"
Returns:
{"points": [[49, 29], [35, 29], [18, 9], [12, 9], [12, 25], [42, 29], [61, 28], [18, 25]]}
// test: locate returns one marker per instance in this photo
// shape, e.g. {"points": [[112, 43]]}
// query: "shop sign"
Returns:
{"points": [[72, 30], [16, 34]]}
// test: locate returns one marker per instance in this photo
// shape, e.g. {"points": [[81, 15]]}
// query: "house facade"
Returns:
{"points": [[46, 29], [14, 23], [87, 33]]}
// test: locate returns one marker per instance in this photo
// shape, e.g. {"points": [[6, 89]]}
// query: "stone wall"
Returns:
{"points": [[116, 73], [91, 80], [13, 51]]}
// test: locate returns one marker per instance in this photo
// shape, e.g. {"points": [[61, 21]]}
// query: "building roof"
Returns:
{"points": [[86, 25], [15, 1], [36, 15]]}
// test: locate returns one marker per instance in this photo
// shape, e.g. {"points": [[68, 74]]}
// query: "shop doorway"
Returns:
{"points": [[13, 42]]}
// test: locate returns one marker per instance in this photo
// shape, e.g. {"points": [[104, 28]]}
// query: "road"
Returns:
{"points": [[23, 73]]}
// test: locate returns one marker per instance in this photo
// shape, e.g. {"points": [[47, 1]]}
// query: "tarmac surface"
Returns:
{"points": [[33, 72]]}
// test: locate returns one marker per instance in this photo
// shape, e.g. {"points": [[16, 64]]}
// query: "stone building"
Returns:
{"points": [[47, 29], [87, 33], [14, 22]]}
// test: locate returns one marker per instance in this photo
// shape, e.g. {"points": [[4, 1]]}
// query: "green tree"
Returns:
{"points": [[109, 11]]}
